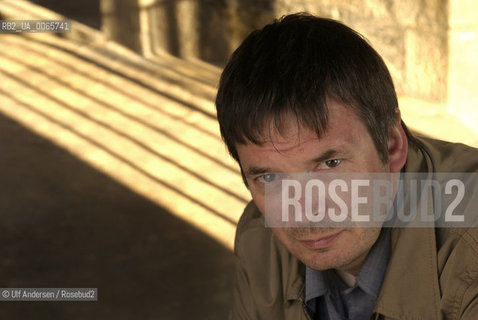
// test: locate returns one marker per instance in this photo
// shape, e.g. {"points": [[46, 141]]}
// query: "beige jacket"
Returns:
{"points": [[432, 273]]}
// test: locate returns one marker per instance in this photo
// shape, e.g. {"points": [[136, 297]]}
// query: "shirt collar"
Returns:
{"points": [[314, 284]]}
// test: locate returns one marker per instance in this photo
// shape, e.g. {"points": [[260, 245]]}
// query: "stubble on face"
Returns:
{"points": [[347, 248], [347, 252]]}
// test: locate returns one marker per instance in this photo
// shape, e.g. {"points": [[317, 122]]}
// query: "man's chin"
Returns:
{"points": [[321, 261]]}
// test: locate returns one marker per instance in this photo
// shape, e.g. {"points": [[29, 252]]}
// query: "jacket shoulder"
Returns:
{"points": [[468, 236], [450, 157]]}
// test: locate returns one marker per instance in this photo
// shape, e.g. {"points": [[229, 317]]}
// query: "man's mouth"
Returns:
{"points": [[320, 243]]}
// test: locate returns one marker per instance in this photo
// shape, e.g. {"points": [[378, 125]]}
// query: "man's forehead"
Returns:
{"points": [[284, 142], [344, 129], [288, 131]]}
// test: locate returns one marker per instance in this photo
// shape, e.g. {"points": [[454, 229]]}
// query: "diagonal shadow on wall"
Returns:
{"points": [[64, 224]]}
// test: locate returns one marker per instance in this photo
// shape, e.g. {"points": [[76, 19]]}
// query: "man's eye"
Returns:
{"points": [[268, 177], [332, 163]]}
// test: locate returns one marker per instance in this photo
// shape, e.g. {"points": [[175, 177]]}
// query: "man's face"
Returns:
{"points": [[346, 146]]}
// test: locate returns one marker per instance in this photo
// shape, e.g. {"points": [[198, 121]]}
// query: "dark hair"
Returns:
{"points": [[290, 68]]}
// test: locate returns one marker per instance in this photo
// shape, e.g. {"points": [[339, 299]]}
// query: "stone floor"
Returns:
{"points": [[64, 224]]}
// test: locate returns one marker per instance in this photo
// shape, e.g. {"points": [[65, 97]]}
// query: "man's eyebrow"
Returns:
{"points": [[252, 171], [327, 155]]}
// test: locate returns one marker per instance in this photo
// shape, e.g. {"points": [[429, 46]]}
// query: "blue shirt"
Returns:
{"points": [[328, 297]]}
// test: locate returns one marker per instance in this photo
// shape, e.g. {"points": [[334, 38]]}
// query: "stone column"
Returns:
{"points": [[120, 22]]}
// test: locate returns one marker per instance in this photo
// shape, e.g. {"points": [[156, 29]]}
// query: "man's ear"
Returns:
{"points": [[397, 145]]}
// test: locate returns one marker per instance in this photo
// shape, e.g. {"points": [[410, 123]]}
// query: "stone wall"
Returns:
{"points": [[463, 62], [411, 35]]}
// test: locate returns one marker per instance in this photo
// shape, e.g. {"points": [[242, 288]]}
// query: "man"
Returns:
{"points": [[307, 94]]}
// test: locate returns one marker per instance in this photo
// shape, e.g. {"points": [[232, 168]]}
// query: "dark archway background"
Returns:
{"points": [[84, 11]]}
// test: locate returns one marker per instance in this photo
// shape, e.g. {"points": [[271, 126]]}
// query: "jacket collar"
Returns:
{"points": [[295, 288], [411, 289]]}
